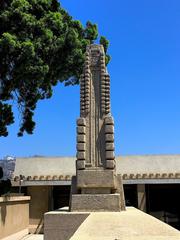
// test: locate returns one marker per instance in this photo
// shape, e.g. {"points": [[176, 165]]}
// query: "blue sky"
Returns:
{"points": [[145, 83]]}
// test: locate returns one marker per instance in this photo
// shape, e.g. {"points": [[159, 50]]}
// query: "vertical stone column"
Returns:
{"points": [[95, 165], [141, 193], [95, 127]]}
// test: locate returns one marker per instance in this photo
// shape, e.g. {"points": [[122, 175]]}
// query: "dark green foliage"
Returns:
{"points": [[40, 45], [5, 185], [1, 172], [6, 118], [105, 43], [91, 31]]}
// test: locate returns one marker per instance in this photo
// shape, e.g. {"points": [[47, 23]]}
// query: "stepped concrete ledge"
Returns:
{"points": [[131, 224], [32, 237]]}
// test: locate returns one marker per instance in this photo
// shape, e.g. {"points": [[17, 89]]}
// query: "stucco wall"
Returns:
{"points": [[51, 166], [14, 215], [39, 204]]}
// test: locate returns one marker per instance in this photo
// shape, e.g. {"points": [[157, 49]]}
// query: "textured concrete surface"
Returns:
{"points": [[16, 236], [96, 178], [132, 224], [61, 225], [96, 202], [40, 201], [127, 225], [14, 216], [33, 237]]}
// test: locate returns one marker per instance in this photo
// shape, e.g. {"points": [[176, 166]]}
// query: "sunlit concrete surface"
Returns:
{"points": [[33, 237], [127, 225]]}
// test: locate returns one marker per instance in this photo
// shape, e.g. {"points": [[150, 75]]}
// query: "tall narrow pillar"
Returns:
{"points": [[141, 193], [96, 179]]}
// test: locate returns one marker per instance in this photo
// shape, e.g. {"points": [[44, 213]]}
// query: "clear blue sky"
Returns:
{"points": [[145, 83]]}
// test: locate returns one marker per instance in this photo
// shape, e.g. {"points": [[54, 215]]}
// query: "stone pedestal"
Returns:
{"points": [[97, 195]]}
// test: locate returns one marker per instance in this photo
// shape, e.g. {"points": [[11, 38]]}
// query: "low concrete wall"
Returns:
{"points": [[14, 216], [131, 224], [39, 204]]}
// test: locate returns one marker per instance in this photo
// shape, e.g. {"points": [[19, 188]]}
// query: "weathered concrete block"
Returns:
{"points": [[80, 164], [81, 121], [81, 138], [81, 129], [81, 155], [109, 129], [103, 99], [87, 91], [96, 179], [83, 87], [110, 164], [107, 106], [109, 121], [109, 137], [107, 109], [95, 203], [81, 146], [110, 146], [87, 72], [87, 108], [103, 87], [82, 102], [110, 155]]}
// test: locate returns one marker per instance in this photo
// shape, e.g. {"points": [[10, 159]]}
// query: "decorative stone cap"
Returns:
{"points": [[14, 198], [151, 176], [44, 178]]}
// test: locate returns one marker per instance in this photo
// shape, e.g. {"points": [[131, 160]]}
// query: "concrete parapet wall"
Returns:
{"points": [[127, 225], [14, 216]]}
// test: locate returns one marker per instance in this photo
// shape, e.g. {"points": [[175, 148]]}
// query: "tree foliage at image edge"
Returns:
{"points": [[40, 46]]}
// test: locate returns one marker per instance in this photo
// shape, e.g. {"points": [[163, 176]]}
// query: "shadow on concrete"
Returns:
{"points": [[3, 214], [62, 226], [4, 209]]}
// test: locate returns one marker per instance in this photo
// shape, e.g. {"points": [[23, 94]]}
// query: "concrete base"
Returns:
{"points": [[96, 179], [126, 225], [95, 203], [98, 199]]}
